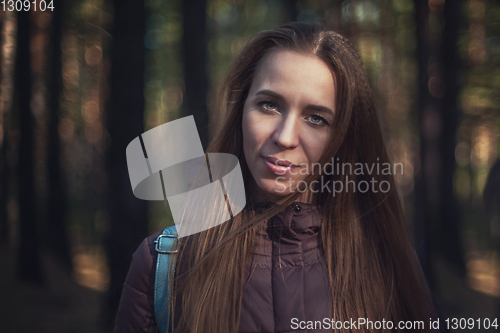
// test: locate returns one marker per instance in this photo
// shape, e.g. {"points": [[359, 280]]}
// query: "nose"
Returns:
{"points": [[286, 135]]}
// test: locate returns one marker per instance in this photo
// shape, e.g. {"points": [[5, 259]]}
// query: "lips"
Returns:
{"points": [[278, 166], [277, 161]]}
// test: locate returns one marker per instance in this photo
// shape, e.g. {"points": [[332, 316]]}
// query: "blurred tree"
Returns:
{"points": [[291, 9], [436, 212], [124, 121], [491, 198], [423, 217], [4, 171], [194, 49], [29, 247], [336, 16], [450, 222], [57, 203]]}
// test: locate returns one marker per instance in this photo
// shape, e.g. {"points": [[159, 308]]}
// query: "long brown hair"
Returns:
{"points": [[371, 267]]}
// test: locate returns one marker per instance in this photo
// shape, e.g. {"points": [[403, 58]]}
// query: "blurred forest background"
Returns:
{"points": [[80, 82]]}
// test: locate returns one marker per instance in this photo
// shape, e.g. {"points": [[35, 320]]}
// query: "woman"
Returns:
{"points": [[315, 246]]}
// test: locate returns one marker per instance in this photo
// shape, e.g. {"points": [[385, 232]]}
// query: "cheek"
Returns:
{"points": [[247, 133], [253, 132], [315, 146], [249, 140]]}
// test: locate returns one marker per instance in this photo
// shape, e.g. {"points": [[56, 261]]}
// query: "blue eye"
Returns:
{"points": [[317, 120], [269, 106]]}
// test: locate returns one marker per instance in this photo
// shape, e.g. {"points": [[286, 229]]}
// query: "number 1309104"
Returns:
{"points": [[471, 323], [27, 5]]}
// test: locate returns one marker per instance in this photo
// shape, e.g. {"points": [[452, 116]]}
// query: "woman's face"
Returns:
{"points": [[287, 119]]}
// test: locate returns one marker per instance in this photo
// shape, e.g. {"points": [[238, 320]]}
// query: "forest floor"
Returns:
{"points": [[455, 299], [63, 306], [60, 306]]}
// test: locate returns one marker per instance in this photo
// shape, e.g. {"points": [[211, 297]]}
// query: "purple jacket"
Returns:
{"points": [[287, 281]]}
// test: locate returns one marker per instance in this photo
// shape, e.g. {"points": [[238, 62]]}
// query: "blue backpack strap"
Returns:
{"points": [[163, 285]]}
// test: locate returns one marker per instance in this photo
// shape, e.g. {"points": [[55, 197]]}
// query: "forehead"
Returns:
{"points": [[292, 74]]}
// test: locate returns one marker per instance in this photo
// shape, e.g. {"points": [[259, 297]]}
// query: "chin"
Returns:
{"points": [[272, 189]]}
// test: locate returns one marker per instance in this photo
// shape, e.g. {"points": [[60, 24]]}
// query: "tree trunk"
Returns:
{"points": [[29, 249], [4, 169], [451, 244], [57, 203], [436, 207], [423, 219], [4, 188], [194, 48], [291, 10], [124, 121]]}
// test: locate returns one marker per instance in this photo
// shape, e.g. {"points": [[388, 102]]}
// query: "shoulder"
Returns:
{"points": [[141, 275], [136, 308]]}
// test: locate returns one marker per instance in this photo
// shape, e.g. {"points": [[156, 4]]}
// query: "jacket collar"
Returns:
{"points": [[295, 229]]}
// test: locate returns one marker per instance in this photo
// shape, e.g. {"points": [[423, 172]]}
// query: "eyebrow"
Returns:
{"points": [[277, 96]]}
